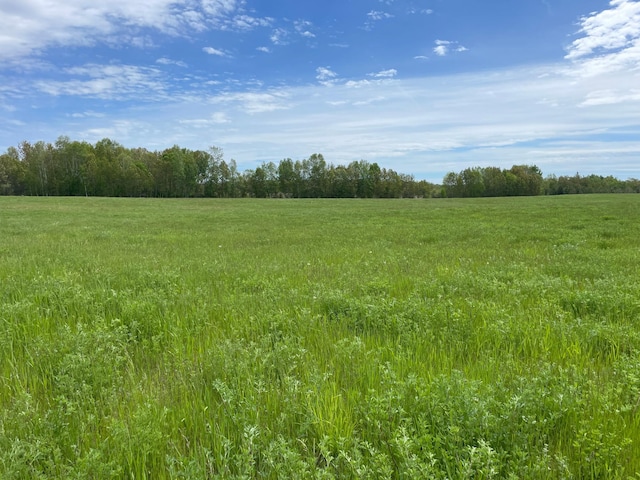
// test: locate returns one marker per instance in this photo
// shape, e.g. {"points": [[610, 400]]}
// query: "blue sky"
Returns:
{"points": [[420, 86]]}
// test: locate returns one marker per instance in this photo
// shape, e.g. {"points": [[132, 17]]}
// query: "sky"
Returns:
{"points": [[423, 87]]}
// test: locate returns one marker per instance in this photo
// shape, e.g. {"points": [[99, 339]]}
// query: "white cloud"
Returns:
{"points": [[443, 47], [283, 36], [375, 15], [357, 83], [279, 36], [440, 50], [326, 76], [610, 97], [610, 40], [423, 11], [303, 27], [214, 51], [219, 117], [263, 49], [612, 29], [423, 126], [216, 118], [390, 73], [29, 27], [118, 128], [107, 81], [218, 7], [368, 101], [254, 102], [580, 115], [87, 114], [247, 22], [168, 61], [427, 126]]}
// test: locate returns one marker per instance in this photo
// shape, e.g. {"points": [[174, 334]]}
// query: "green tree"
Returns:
{"points": [[12, 173], [317, 176], [495, 183], [169, 173], [38, 160], [472, 181], [214, 175], [529, 179], [235, 185], [453, 184], [257, 180], [73, 158], [287, 178], [271, 179]]}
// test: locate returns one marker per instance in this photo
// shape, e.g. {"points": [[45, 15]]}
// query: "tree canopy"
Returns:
{"points": [[108, 169], [72, 168]]}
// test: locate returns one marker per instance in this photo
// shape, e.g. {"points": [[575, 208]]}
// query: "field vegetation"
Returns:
{"points": [[199, 338]]}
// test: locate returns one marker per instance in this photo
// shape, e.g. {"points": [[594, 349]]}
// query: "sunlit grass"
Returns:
{"points": [[486, 338]]}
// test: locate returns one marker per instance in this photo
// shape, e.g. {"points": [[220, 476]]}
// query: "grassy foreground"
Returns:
{"points": [[487, 338]]}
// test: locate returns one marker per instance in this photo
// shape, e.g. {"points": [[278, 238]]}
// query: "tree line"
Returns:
{"points": [[528, 180], [72, 168]]}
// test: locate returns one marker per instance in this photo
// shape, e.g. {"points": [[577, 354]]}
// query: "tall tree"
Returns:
{"points": [[287, 177], [12, 173]]}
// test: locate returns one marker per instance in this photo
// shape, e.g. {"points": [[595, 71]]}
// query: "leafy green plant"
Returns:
{"points": [[450, 338]]}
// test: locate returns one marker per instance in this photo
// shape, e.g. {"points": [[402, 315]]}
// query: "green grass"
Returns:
{"points": [[486, 338]]}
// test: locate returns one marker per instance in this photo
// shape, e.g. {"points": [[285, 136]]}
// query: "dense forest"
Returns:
{"points": [[109, 169], [528, 180], [72, 168]]}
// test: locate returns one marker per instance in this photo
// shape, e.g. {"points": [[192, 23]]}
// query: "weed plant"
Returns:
{"points": [[364, 339]]}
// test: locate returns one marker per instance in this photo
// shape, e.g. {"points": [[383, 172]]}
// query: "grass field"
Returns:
{"points": [[486, 338]]}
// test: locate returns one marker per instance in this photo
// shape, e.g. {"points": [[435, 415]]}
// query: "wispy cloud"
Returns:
{"points": [[610, 40], [30, 27], [563, 116], [247, 22], [444, 47], [303, 28], [168, 61], [254, 102], [279, 36], [611, 96], [87, 114], [375, 16], [214, 51], [106, 81], [425, 126], [430, 125], [289, 32], [216, 118], [612, 29], [423, 11], [390, 73], [326, 76]]}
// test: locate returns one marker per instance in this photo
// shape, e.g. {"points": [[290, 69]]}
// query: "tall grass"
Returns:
{"points": [[487, 338]]}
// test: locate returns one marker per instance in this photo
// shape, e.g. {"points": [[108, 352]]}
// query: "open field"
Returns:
{"points": [[485, 338]]}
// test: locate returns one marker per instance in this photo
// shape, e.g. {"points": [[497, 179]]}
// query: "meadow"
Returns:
{"points": [[355, 339]]}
